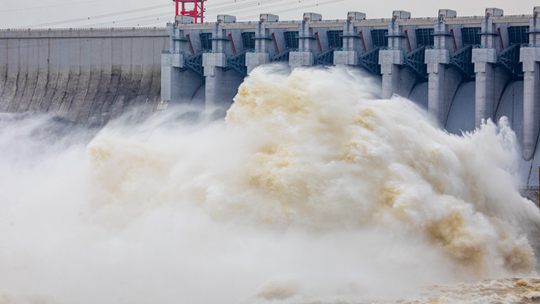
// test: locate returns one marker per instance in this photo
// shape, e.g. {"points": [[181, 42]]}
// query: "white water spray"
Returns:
{"points": [[310, 190]]}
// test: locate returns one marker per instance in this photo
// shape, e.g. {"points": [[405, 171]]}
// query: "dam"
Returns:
{"points": [[353, 164], [462, 70]]}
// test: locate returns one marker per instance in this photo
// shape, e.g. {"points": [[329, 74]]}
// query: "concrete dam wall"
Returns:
{"points": [[82, 75]]}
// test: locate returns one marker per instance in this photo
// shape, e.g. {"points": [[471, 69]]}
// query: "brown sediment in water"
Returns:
{"points": [[277, 290], [518, 259], [504, 291], [456, 240]]}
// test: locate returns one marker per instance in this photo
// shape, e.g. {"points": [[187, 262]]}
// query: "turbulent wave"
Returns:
{"points": [[312, 190]]}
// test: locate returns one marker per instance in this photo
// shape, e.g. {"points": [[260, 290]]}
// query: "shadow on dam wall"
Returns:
{"points": [[83, 75]]}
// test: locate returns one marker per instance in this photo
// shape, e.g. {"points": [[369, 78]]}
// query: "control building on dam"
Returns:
{"points": [[460, 69]]}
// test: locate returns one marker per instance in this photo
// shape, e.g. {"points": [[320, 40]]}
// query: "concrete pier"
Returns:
{"points": [[530, 57], [180, 81], [443, 79], [222, 81], [353, 43], [307, 43], [265, 47], [490, 77], [396, 78]]}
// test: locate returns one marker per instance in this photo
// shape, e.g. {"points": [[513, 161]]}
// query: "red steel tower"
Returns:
{"points": [[191, 8]]}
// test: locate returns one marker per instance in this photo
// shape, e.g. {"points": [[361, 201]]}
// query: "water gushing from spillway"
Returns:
{"points": [[311, 190]]}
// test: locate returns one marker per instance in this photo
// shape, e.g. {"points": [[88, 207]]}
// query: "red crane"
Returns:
{"points": [[191, 8]]}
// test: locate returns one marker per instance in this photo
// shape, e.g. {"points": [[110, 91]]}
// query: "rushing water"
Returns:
{"points": [[311, 190]]}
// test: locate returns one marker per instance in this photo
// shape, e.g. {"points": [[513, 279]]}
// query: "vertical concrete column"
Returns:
{"points": [[307, 45], [484, 59], [442, 84], [351, 41], [530, 56], [392, 58], [263, 43], [175, 86], [221, 85], [167, 74]]}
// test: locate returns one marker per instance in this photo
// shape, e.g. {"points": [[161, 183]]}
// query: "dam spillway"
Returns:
{"points": [[460, 69], [82, 75]]}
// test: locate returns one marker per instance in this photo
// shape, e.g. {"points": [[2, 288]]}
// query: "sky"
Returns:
{"points": [[117, 13]]}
